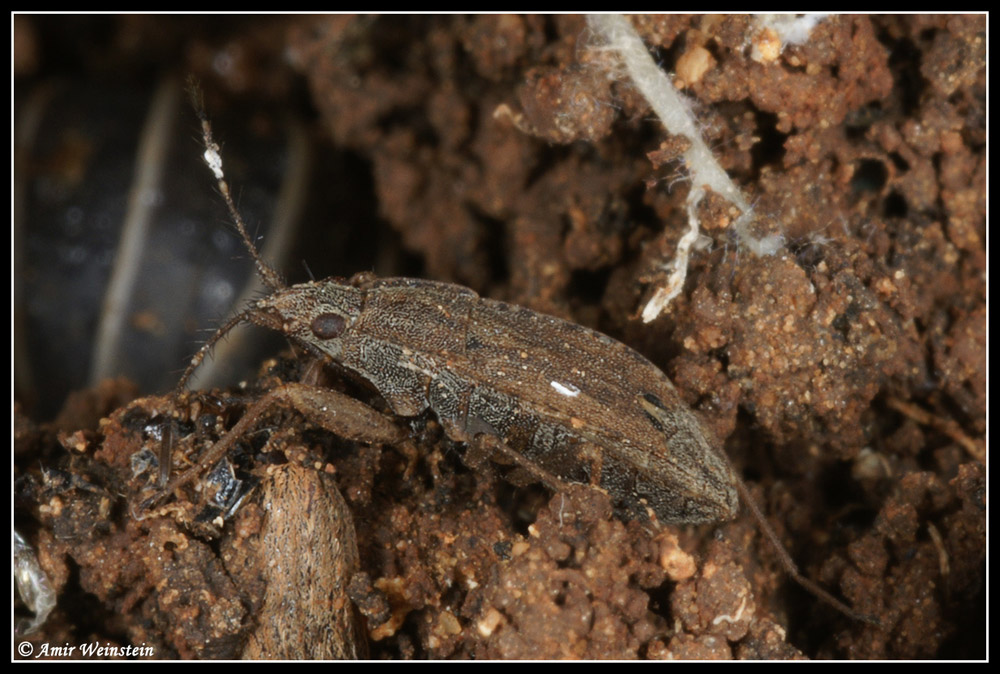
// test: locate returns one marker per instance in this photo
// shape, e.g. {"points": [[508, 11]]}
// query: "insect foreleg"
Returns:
{"points": [[331, 410]]}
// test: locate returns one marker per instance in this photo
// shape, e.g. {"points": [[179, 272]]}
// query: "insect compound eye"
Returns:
{"points": [[328, 326]]}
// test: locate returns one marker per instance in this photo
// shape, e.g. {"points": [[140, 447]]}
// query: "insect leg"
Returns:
{"points": [[331, 410]]}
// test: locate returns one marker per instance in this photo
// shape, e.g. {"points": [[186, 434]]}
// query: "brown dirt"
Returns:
{"points": [[847, 373]]}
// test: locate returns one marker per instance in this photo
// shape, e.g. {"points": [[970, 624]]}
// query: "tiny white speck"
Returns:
{"points": [[214, 161], [566, 389]]}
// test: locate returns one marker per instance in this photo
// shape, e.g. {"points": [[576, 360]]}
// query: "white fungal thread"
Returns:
{"points": [[732, 618], [778, 30], [656, 87]]}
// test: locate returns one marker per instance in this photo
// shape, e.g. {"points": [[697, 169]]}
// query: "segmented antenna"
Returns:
{"points": [[791, 568], [268, 275], [242, 317]]}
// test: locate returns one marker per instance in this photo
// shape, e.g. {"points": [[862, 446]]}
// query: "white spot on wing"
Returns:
{"points": [[566, 389]]}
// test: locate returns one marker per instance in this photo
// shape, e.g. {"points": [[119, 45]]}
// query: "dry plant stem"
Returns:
{"points": [[974, 447], [150, 165], [655, 86]]}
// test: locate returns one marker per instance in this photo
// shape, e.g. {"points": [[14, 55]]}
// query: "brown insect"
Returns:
{"points": [[565, 403]]}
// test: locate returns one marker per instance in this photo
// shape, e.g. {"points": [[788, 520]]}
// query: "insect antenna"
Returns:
{"points": [[791, 568], [241, 317], [268, 276]]}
